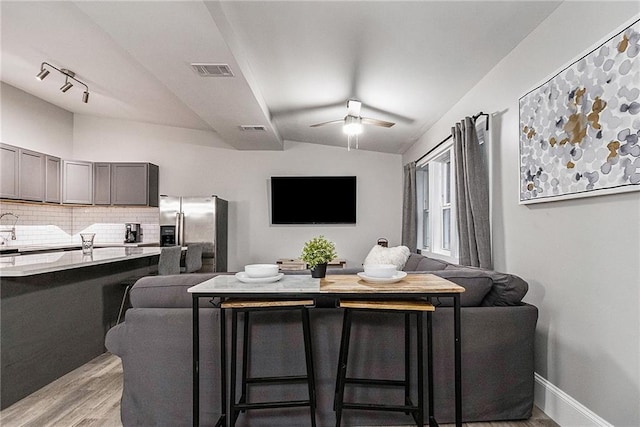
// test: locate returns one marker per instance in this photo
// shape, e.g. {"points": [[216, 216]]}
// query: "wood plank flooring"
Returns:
{"points": [[90, 397]]}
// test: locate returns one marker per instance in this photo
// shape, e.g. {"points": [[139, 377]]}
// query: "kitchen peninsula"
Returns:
{"points": [[56, 308]]}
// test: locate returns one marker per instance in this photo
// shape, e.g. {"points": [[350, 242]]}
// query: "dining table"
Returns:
{"points": [[413, 286]]}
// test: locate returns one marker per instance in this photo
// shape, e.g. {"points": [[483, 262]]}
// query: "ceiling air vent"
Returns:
{"points": [[212, 70], [253, 128]]}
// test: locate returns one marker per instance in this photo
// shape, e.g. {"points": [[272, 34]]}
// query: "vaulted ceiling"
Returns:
{"points": [[294, 63]]}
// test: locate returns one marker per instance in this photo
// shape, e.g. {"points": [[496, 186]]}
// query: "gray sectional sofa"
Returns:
{"points": [[498, 330]]}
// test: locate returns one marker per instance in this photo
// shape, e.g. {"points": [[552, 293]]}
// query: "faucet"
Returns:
{"points": [[11, 230]]}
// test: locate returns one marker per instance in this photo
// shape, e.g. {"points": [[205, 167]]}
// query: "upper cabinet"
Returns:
{"points": [[77, 186], [53, 179], [32, 175], [9, 171], [29, 175], [134, 184], [102, 183]]}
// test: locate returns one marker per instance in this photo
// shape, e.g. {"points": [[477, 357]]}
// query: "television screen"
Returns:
{"points": [[313, 200]]}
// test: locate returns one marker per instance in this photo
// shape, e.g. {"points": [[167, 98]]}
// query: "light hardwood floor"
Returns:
{"points": [[90, 396]]}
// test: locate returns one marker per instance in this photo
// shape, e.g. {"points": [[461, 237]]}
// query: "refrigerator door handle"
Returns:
{"points": [[181, 228], [178, 230]]}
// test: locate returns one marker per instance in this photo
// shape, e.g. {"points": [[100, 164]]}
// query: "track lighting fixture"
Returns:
{"points": [[68, 74]]}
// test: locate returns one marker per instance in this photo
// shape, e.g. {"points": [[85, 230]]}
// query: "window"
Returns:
{"points": [[437, 233]]}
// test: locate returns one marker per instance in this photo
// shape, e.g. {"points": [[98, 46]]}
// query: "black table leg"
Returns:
{"points": [[196, 362], [223, 369], [458, 357], [430, 391]]}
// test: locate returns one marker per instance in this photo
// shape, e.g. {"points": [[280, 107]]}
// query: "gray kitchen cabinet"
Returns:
{"points": [[134, 184], [102, 183], [9, 171], [53, 179], [32, 171], [77, 179]]}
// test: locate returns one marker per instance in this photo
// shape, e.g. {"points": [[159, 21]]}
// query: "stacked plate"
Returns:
{"points": [[259, 273], [381, 273]]}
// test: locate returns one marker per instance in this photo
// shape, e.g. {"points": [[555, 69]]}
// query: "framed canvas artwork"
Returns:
{"points": [[579, 130]]}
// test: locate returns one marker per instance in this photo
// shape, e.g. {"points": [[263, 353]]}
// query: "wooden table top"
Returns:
{"points": [[412, 283]]}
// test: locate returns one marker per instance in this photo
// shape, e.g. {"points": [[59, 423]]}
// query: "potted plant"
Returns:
{"points": [[317, 252]]}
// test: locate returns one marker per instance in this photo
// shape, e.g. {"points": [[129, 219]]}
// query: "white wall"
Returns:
{"points": [[189, 167], [580, 257], [29, 122]]}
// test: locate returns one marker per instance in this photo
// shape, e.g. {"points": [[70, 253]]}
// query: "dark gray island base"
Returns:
{"points": [[56, 321]]}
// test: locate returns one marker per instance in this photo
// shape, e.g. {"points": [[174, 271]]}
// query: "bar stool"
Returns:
{"points": [[407, 308], [241, 405], [193, 258]]}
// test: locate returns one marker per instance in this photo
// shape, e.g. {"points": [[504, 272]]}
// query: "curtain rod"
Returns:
{"points": [[474, 118], [434, 148], [480, 114]]}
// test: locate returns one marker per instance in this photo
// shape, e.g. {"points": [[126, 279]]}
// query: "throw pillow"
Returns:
{"points": [[397, 256]]}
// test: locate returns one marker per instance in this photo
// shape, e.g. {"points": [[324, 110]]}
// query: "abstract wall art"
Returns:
{"points": [[580, 130]]}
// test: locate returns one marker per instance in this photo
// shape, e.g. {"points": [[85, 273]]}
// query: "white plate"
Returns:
{"points": [[395, 278], [244, 278]]}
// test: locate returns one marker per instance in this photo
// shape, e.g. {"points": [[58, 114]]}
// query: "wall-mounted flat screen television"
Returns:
{"points": [[313, 200]]}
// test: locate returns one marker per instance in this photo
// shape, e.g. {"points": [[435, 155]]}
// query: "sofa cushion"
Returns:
{"points": [[397, 256], [476, 287], [507, 289], [417, 262], [166, 291]]}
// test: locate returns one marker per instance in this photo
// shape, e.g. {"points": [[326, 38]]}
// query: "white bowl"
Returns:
{"points": [[261, 270], [380, 270]]}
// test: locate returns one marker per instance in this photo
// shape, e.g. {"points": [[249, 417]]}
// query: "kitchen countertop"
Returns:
{"points": [[22, 249], [39, 263]]}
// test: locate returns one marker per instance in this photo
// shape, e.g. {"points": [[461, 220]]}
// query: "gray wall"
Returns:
{"points": [[581, 257], [32, 123]]}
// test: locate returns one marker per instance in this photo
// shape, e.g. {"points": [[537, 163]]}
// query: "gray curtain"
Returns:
{"points": [[409, 208], [472, 196]]}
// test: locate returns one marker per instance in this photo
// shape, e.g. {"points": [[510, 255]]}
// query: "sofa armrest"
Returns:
{"points": [[114, 340], [497, 362]]}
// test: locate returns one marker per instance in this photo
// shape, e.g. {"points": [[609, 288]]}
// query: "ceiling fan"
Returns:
{"points": [[353, 122]]}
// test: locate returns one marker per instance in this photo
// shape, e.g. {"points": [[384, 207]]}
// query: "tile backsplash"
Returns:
{"points": [[41, 224]]}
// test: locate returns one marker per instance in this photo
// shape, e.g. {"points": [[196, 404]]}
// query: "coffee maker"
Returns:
{"points": [[133, 233]]}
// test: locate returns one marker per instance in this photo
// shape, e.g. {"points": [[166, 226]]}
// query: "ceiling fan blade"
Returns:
{"points": [[376, 122], [327, 123], [353, 107]]}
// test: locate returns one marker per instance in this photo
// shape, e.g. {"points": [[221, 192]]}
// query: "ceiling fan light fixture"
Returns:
{"points": [[352, 125]]}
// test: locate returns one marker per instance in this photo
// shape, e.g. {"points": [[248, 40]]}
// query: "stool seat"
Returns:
{"points": [[388, 305], [406, 307]]}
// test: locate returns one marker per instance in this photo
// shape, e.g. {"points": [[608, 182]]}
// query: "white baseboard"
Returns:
{"points": [[562, 408]]}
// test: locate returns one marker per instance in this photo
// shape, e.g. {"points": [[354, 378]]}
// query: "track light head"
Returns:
{"points": [[85, 97], [66, 86], [42, 74]]}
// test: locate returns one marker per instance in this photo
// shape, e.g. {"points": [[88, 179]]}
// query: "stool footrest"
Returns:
{"points": [[272, 405], [378, 407], [372, 381], [273, 380]]}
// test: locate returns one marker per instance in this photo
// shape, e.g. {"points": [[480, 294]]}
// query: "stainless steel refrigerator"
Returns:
{"points": [[185, 220]]}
